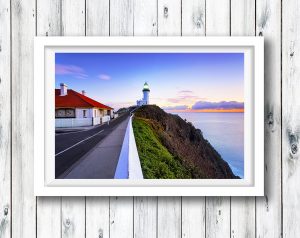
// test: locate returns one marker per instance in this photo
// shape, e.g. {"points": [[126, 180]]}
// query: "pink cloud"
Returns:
{"points": [[104, 77], [73, 70], [185, 92]]}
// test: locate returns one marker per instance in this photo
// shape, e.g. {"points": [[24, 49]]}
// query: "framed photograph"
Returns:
{"points": [[149, 116]]}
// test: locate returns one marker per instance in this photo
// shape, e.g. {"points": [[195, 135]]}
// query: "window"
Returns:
{"points": [[84, 113]]}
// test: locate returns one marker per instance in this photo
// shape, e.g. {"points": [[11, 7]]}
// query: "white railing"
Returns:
{"points": [[129, 165], [73, 122]]}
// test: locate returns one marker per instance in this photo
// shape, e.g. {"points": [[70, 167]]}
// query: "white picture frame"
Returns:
{"points": [[45, 183]]}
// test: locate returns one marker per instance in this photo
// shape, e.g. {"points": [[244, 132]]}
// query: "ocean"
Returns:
{"points": [[225, 132]]}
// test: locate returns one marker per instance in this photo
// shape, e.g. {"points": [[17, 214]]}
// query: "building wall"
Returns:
{"points": [[79, 112]]}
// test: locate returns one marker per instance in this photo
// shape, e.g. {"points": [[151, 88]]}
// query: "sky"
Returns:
{"points": [[178, 81]]}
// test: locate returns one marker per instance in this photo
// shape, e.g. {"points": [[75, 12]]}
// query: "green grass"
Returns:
{"points": [[156, 161]]}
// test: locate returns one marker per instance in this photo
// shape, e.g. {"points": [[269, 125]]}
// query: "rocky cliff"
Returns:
{"points": [[170, 147]]}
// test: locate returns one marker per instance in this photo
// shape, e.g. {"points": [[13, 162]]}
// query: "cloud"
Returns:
{"points": [[73, 70], [179, 107], [104, 77], [185, 91], [218, 105]]}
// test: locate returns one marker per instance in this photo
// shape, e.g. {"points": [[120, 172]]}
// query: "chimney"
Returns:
{"points": [[63, 89], [83, 93]]}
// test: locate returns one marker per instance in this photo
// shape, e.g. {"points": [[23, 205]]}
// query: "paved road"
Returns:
{"points": [[70, 147], [102, 160]]}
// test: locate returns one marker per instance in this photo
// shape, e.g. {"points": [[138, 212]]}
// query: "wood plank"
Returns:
{"points": [[73, 217], [193, 208], [73, 17], [48, 217], [169, 17], [193, 217], [97, 18], [97, 217], [49, 18], [218, 208], [169, 208], [5, 121], [121, 17], [242, 18], [145, 208], [23, 15], [97, 208], [121, 217], [242, 208], [73, 208], [145, 18], [48, 208], [121, 208], [217, 217], [268, 208], [193, 17], [290, 117], [145, 217], [242, 217], [218, 18], [169, 217]]}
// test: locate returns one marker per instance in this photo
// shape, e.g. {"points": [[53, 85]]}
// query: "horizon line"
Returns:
{"points": [[233, 110]]}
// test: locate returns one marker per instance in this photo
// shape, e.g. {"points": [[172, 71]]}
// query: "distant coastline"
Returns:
{"points": [[239, 110]]}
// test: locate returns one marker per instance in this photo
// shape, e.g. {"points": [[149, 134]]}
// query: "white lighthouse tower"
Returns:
{"points": [[145, 100]]}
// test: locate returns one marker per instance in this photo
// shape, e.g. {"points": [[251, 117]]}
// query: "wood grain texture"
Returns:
{"points": [[73, 217], [23, 201], [121, 17], [145, 217], [145, 17], [193, 208], [218, 208], [5, 121], [268, 208], [48, 222], [242, 208], [48, 208], [218, 17], [97, 217], [169, 208], [21, 216], [121, 217], [169, 17], [73, 17], [169, 217], [193, 17], [145, 208], [97, 208], [73, 209], [218, 217], [193, 217], [290, 117], [97, 17], [121, 208]]}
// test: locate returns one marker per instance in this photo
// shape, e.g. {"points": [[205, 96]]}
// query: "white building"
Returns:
{"points": [[74, 109], [145, 100]]}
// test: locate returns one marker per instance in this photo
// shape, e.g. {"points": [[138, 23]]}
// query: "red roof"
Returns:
{"points": [[75, 99]]}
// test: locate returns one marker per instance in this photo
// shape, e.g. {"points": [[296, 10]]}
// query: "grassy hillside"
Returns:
{"points": [[171, 148], [156, 160]]}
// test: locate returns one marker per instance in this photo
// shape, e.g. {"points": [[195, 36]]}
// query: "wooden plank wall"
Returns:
{"points": [[274, 215]]}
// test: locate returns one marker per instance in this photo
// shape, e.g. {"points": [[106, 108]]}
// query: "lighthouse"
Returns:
{"points": [[145, 100], [146, 92]]}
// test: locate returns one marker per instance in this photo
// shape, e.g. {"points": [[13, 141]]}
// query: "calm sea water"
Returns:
{"points": [[225, 132]]}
